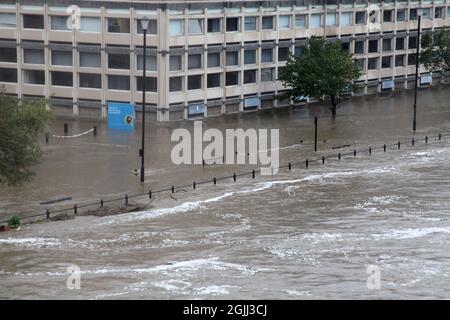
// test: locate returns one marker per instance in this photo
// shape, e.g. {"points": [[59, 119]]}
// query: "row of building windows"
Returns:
{"points": [[232, 24], [86, 80], [197, 60]]}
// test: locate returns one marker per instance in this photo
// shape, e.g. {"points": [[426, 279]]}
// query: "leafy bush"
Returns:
{"points": [[14, 222]]}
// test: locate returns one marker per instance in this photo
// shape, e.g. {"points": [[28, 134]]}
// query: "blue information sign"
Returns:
{"points": [[121, 116]]}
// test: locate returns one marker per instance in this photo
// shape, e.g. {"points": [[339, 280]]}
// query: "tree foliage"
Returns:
{"points": [[19, 126], [323, 70], [435, 53]]}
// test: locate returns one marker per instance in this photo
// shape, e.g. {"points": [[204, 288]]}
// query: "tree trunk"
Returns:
{"points": [[334, 104]]}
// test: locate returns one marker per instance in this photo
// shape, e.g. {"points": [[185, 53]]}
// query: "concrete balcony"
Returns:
{"points": [[32, 34], [89, 93], [88, 37], [60, 36], [9, 33], [10, 87], [58, 91], [122, 39], [33, 89], [118, 95]]}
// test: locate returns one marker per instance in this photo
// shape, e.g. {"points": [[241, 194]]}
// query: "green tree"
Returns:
{"points": [[435, 53], [323, 70], [19, 126]]}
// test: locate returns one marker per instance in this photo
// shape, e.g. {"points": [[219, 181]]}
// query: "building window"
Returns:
{"points": [[214, 60], [359, 47], [387, 16], [283, 54], [33, 21], [300, 21], [411, 59], [152, 27], [213, 80], [232, 78], [372, 63], [285, 22], [195, 61], [34, 77], [412, 42], [426, 13], [59, 23], [331, 19], [90, 80], [401, 15], [195, 82], [345, 46], [195, 26], [250, 56], [176, 84], [387, 45], [400, 44], [360, 17], [250, 76], [412, 14], [232, 58], [266, 56], [90, 24], [118, 25], [8, 20], [214, 25], [373, 46], [175, 62], [232, 24], [439, 13], [90, 60], [251, 23], [62, 79], [61, 58], [8, 75], [151, 84], [267, 74], [33, 56], [346, 19], [400, 60], [150, 62], [360, 63], [116, 82], [176, 27], [386, 62], [8, 54], [298, 51], [119, 61], [316, 21], [267, 23]]}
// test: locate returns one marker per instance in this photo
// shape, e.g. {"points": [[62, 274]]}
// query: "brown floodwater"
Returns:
{"points": [[300, 234]]}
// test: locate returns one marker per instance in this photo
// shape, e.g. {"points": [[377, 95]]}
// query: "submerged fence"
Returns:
{"points": [[214, 180]]}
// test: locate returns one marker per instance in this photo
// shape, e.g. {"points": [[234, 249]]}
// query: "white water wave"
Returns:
{"points": [[181, 267]]}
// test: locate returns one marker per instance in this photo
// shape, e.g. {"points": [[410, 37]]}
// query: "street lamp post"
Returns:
{"points": [[144, 24], [419, 15]]}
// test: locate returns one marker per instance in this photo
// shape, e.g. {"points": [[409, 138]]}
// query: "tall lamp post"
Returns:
{"points": [[144, 24], [419, 15]]}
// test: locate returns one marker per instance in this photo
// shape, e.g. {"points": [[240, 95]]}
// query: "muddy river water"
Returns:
{"points": [[301, 234]]}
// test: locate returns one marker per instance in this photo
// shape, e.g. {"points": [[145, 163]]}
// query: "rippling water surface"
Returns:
{"points": [[303, 234]]}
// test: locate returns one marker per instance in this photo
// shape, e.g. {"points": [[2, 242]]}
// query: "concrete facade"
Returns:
{"points": [[204, 58]]}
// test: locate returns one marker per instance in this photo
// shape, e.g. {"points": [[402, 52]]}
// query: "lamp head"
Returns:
{"points": [[144, 23]]}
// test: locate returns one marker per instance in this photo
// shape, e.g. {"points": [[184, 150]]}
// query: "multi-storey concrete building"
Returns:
{"points": [[204, 58]]}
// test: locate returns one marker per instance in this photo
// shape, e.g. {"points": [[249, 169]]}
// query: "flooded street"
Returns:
{"points": [[301, 234]]}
